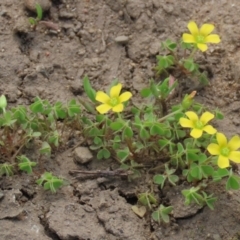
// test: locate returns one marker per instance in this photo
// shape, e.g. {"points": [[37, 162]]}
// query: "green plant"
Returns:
{"points": [[25, 164], [162, 214], [197, 40], [35, 21], [164, 142], [50, 182]]}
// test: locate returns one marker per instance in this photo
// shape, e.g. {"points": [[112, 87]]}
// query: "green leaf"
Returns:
{"points": [[98, 141], [220, 173], [37, 106], [157, 130], [127, 132], [100, 154], [144, 133], [116, 126], [25, 164], [50, 182], [233, 183], [146, 92], [7, 119], [203, 80], [123, 154], [6, 169], [173, 179], [20, 113], [195, 171], [39, 11], [162, 213], [94, 132], [32, 21], [180, 148], [3, 102], [91, 93], [106, 153], [207, 170], [218, 114], [169, 45], [159, 179], [73, 108], [45, 149], [147, 199], [190, 65], [54, 138]]}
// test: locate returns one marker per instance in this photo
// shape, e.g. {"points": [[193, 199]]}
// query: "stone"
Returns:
{"points": [[121, 39], [82, 155], [9, 207], [31, 4]]}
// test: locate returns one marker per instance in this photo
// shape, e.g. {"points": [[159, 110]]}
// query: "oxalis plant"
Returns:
{"points": [[180, 56], [171, 143], [41, 126]]}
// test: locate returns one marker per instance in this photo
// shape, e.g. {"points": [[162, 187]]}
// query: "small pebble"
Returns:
{"points": [[82, 155], [121, 39]]}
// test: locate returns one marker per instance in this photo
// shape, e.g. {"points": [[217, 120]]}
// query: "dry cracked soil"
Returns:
{"points": [[108, 39]]}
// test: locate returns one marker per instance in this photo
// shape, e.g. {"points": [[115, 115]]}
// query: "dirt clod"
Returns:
{"points": [[82, 155]]}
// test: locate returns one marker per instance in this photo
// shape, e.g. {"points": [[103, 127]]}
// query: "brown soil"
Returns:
{"points": [[51, 64]]}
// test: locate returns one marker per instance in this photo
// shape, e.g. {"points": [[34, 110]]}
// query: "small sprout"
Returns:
{"points": [[25, 164], [45, 149], [168, 175], [147, 199], [3, 103], [34, 21], [50, 182], [162, 214], [6, 169]]}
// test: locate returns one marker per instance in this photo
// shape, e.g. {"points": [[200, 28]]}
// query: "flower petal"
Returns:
{"points": [[213, 38], [223, 162], [234, 156], [188, 38], [184, 122], [206, 117], [203, 47], [213, 149], [103, 108], [102, 97], [196, 133], [234, 143], [193, 28], [115, 90], [192, 116], [206, 29], [125, 96], [209, 129], [118, 108], [222, 140]]}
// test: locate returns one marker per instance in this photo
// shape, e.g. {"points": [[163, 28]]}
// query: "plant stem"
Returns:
{"points": [[193, 53], [170, 114]]}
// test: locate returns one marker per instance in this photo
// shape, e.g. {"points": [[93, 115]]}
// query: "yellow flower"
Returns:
{"points": [[114, 101], [200, 37], [225, 150], [198, 125]]}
